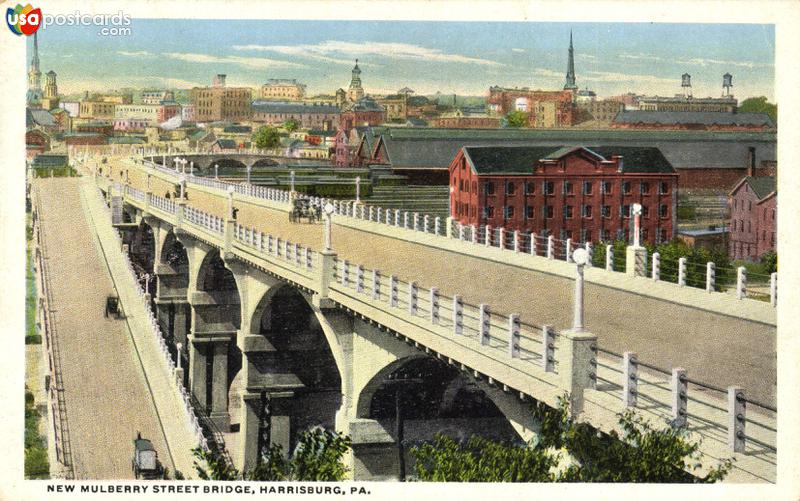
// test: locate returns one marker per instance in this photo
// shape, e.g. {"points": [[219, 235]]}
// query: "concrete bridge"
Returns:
{"points": [[327, 337], [203, 163]]}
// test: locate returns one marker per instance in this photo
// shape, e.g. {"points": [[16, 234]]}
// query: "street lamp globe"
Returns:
{"points": [[580, 256], [328, 208]]}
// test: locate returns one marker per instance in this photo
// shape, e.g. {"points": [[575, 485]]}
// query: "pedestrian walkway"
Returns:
{"points": [[110, 387]]}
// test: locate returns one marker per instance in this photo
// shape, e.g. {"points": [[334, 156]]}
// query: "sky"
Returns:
{"points": [[448, 57]]}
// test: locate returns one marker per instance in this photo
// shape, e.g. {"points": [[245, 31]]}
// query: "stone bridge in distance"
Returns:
{"points": [[345, 336]]}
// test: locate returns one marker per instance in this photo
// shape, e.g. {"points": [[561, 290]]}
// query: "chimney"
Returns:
{"points": [[219, 80], [751, 161]]}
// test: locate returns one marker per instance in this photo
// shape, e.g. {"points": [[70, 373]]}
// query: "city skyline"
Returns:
{"points": [[448, 57]]}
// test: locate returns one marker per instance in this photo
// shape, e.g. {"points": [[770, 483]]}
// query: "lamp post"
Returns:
{"points": [[216, 171], [183, 187], [328, 216], [249, 168], [175, 163], [581, 257], [637, 223]]}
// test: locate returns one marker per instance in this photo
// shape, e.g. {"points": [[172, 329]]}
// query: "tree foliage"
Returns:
{"points": [[570, 451], [669, 254], [517, 118], [266, 137], [769, 262], [759, 104], [316, 457], [291, 125]]}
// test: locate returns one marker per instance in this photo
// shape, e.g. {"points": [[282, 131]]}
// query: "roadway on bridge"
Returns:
{"points": [[107, 395], [713, 348]]}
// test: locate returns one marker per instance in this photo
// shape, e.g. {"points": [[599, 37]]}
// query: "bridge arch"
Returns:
{"points": [[143, 251], [228, 166], [265, 162], [215, 357]]}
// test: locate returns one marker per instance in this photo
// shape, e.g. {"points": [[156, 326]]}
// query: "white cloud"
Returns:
{"points": [[698, 61], [249, 62], [138, 53], [388, 50], [608, 76], [639, 56], [515, 49], [545, 73]]}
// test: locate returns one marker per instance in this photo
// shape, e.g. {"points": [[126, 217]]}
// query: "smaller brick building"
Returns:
{"points": [[753, 209], [582, 193]]}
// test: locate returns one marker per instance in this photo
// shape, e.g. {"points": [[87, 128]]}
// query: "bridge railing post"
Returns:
{"points": [[327, 269], [376, 285], [487, 236], [378, 214], [426, 223], [609, 258], [516, 240], [656, 266], [415, 220], [346, 273], [397, 217], [405, 219], [485, 322], [548, 348], [437, 225], [741, 282], [308, 258], [393, 295], [679, 386], [458, 315], [371, 213], [501, 238], [388, 217], [630, 378], [577, 365], [413, 292], [434, 300], [513, 335], [550, 247], [534, 246], [589, 253], [473, 233], [682, 272], [711, 276], [568, 248], [360, 279], [737, 414], [460, 230], [773, 288]]}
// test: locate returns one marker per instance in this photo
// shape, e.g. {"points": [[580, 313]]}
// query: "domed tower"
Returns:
{"points": [[50, 99], [355, 91]]}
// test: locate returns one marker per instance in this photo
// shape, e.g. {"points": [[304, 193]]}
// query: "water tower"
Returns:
{"points": [[727, 83], [686, 84]]}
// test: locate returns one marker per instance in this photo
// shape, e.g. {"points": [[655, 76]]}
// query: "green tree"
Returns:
{"points": [[291, 125], [316, 457], [266, 137], [759, 104], [769, 262], [570, 451], [517, 118]]}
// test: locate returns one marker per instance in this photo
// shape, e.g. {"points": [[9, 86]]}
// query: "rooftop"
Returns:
{"points": [[694, 117], [761, 185], [287, 107], [521, 159]]}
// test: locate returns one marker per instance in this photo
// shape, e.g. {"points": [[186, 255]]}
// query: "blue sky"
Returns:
{"points": [[450, 57]]}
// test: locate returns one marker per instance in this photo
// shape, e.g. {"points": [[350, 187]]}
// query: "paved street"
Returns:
{"points": [[107, 395], [714, 348]]}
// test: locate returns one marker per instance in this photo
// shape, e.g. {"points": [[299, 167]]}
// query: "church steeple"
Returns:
{"points": [[570, 83], [34, 97]]}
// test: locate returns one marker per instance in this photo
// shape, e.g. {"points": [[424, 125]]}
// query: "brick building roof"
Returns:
{"points": [[521, 159], [281, 107], [761, 185], [410, 147], [694, 117]]}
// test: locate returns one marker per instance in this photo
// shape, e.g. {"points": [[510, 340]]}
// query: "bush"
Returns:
{"points": [[569, 451], [317, 456]]}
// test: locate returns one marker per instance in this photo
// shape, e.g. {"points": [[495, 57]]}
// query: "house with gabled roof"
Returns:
{"points": [[753, 221]]}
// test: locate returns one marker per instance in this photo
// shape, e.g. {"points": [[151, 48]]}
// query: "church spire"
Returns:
{"points": [[35, 59], [570, 83]]}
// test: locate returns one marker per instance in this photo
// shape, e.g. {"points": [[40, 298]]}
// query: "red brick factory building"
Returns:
{"points": [[582, 193]]}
